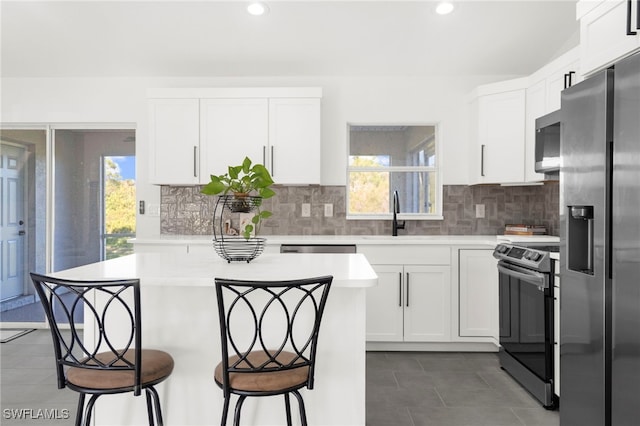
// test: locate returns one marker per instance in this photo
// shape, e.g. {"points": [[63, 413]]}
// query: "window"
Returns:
{"points": [[384, 159]]}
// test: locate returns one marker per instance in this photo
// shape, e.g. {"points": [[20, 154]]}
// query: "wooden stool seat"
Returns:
{"points": [[103, 369], [250, 365]]}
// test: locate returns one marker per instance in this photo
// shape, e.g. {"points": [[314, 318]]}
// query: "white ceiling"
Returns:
{"points": [[296, 38]]}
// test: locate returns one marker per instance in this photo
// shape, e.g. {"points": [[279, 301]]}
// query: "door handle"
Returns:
{"points": [[630, 32], [400, 289], [21, 233], [273, 172], [482, 160], [568, 80], [195, 161], [407, 289]]}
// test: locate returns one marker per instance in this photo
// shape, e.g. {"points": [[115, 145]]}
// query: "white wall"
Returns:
{"points": [[360, 100]]}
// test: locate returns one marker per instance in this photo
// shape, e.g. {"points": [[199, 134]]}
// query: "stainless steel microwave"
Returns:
{"points": [[548, 143]]}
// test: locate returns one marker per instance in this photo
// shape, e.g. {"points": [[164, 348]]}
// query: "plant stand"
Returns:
{"points": [[235, 248]]}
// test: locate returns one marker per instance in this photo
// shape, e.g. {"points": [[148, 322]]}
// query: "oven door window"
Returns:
{"points": [[524, 324]]}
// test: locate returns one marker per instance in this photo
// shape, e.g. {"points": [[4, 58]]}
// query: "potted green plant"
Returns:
{"points": [[246, 185]]}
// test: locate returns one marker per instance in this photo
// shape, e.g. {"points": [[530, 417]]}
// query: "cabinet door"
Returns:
{"points": [[603, 35], [478, 293], [501, 127], [232, 129], [174, 141], [294, 138], [536, 107], [427, 304], [384, 305], [558, 81]]}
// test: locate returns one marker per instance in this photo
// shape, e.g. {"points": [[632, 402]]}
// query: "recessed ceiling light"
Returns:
{"points": [[257, 8], [444, 8]]}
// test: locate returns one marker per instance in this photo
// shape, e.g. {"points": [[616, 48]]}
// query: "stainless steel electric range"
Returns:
{"points": [[526, 317]]}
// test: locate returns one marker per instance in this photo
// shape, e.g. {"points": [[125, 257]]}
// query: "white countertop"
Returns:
{"points": [[528, 239], [191, 270], [489, 240]]}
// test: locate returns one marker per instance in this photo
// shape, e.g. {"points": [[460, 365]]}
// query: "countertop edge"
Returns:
{"points": [[483, 240]]}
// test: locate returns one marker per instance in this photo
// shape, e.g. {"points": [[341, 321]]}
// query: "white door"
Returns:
{"points": [[230, 130], [294, 140], [478, 294], [384, 305], [427, 304], [12, 229], [174, 138], [501, 119]]}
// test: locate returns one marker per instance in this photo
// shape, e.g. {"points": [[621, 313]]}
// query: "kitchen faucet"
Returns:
{"points": [[396, 210]]}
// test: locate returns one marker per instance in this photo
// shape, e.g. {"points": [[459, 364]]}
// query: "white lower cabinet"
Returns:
{"points": [[411, 303], [385, 312], [478, 294]]}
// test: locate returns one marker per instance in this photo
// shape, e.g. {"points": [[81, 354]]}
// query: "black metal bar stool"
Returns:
{"points": [[120, 366], [269, 331]]}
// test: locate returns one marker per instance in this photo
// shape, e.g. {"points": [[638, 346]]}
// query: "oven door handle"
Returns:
{"points": [[532, 277]]}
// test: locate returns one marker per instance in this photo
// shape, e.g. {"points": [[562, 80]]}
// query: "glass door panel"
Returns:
{"points": [[119, 205], [22, 225], [79, 229]]}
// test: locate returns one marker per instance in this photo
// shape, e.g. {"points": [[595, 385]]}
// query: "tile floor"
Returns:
{"points": [[28, 384], [403, 388], [447, 389]]}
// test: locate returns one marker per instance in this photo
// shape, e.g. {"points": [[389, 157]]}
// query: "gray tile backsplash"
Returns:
{"points": [[184, 211]]}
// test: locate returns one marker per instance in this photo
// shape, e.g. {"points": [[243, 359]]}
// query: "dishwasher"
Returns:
{"points": [[317, 248]]}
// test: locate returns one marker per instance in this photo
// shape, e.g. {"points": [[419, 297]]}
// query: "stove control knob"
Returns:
{"points": [[533, 256]]}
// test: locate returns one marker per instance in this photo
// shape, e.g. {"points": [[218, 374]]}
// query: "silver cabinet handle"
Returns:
{"points": [[482, 160], [195, 161], [272, 169], [264, 154], [400, 289]]}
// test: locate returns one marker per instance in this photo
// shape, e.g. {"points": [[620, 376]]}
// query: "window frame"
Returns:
{"points": [[437, 170]]}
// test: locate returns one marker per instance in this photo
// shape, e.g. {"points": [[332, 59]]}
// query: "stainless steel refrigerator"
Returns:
{"points": [[600, 249]]}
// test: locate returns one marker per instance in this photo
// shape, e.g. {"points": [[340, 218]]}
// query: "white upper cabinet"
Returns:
{"points": [[536, 107], [294, 140], [230, 130], [498, 133], [543, 97], [609, 31], [175, 141], [560, 74], [278, 127]]}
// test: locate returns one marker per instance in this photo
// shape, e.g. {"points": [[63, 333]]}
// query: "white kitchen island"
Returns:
{"points": [[179, 315]]}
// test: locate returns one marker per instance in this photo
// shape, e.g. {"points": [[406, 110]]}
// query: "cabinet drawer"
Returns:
{"points": [[406, 255]]}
